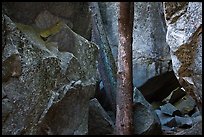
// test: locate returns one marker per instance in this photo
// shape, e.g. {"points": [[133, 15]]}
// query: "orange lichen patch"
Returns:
{"points": [[186, 54], [171, 8]]}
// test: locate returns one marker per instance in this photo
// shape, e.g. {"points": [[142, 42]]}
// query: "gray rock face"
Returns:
{"points": [[169, 109], [166, 120], [185, 104], [184, 121], [194, 130], [184, 37], [145, 119], [151, 55], [75, 13], [45, 91], [109, 14], [99, 121]]}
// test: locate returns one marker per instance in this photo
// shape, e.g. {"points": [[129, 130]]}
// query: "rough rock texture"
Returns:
{"points": [[150, 51], [151, 55], [45, 91], [184, 37], [166, 120], [169, 109], [146, 121], [109, 14], [75, 13], [194, 130], [185, 104], [183, 121], [99, 121]]}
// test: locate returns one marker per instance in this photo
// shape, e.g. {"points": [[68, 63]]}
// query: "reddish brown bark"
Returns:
{"points": [[124, 96]]}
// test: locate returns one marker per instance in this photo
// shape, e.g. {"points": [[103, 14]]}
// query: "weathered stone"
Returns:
{"points": [[7, 107], [169, 109], [194, 130], [166, 120], [52, 93], [151, 55], [184, 37], [109, 14], [185, 104], [11, 67], [169, 129], [145, 119], [183, 121], [45, 19], [3, 94], [197, 113], [75, 12], [69, 41], [196, 117], [99, 121], [175, 95]]}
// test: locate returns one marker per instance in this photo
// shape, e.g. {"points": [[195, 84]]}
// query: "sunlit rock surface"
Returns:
{"points": [[184, 37]]}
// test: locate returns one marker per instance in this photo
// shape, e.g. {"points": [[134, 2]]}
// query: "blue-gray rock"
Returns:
{"points": [[185, 104], [167, 129], [194, 130], [185, 121], [151, 55], [169, 109], [166, 120], [196, 117]]}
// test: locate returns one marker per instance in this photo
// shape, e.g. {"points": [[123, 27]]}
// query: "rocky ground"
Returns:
{"points": [[50, 79]]}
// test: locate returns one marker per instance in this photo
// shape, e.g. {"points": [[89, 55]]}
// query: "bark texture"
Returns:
{"points": [[124, 96]]}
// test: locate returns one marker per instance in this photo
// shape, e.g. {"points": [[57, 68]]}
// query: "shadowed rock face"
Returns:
{"points": [[50, 93], [76, 13], [146, 122], [159, 87], [99, 121]]}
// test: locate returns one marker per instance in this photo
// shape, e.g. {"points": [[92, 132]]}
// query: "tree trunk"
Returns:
{"points": [[124, 96], [106, 66]]}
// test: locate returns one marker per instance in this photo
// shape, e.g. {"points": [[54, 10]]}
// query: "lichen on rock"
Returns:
{"points": [[47, 91]]}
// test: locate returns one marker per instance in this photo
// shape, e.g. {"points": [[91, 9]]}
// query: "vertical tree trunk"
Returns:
{"points": [[107, 66], [124, 95]]}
